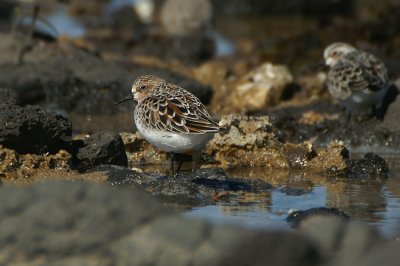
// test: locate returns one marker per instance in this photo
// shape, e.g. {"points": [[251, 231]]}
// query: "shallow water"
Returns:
{"points": [[375, 202]]}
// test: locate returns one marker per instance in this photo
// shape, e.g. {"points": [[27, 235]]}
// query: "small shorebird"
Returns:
{"points": [[170, 117], [357, 78]]}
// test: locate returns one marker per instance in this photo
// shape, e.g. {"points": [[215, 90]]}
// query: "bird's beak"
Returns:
{"points": [[321, 65], [125, 99]]}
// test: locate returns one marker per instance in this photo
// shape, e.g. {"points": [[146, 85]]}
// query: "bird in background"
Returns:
{"points": [[170, 118], [34, 17], [356, 78]]}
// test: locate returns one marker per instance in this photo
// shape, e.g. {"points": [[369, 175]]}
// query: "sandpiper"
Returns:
{"points": [[170, 117], [357, 78]]}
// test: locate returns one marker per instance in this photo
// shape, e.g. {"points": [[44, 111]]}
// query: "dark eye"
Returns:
{"points": [[142, 87], [334, 53]]}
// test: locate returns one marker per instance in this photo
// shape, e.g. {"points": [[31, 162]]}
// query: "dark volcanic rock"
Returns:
{"points": [[331, 125], [371, 166], [32, 130], [197, 187], [31, 81], [101, 148], [72, 79], [7, 9], [297, 218], [76, 223]]}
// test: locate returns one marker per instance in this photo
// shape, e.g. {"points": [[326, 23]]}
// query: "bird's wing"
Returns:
{"points": [[374, 72], [338, 81], [177, 110], [358, 71]]}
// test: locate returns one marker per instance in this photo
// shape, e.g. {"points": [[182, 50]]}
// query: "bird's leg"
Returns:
{"points": [[377, 112], [348, 117], [35, 16], [27, 43], [14, 21], [181, 158], [172, 159], [178, 169]]}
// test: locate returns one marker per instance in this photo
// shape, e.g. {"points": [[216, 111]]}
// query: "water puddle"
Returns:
{"points": [[374, 202]]}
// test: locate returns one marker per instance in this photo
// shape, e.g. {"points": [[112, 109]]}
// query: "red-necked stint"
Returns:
{"points": [[170, 117], [357, 78]]}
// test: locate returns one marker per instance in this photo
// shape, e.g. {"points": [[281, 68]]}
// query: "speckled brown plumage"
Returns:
{"points": [[355, 76], [168, 107]]}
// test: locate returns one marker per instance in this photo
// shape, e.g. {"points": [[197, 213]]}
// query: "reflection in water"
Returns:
{"points": [[361, 200], [373, 201]]}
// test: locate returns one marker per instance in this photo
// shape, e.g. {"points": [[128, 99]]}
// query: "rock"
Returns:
{"points": [[297, 218], [245, 254], [339, 240], [262, 87], [322, 123], [6, 9], [9, 161], [44, 220], [299, 155], [30, 129], [388, 253], [356, 242], [371, 166], [31, 82], [41, 224], [248, 140], [194, 16], [19, 168], [332, 160], [101, 148], [193, 242]]}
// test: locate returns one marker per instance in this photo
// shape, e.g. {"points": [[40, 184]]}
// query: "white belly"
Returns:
{"points": [[174, 142]]}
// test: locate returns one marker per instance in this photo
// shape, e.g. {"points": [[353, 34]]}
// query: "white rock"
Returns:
{"points": [[262, 87]]}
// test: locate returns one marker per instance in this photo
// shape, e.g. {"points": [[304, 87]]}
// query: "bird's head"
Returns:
{"points": [[335, 51], [143, 86]]}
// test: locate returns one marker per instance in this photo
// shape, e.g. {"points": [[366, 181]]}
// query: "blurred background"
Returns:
{"points": [[83, 55]]}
